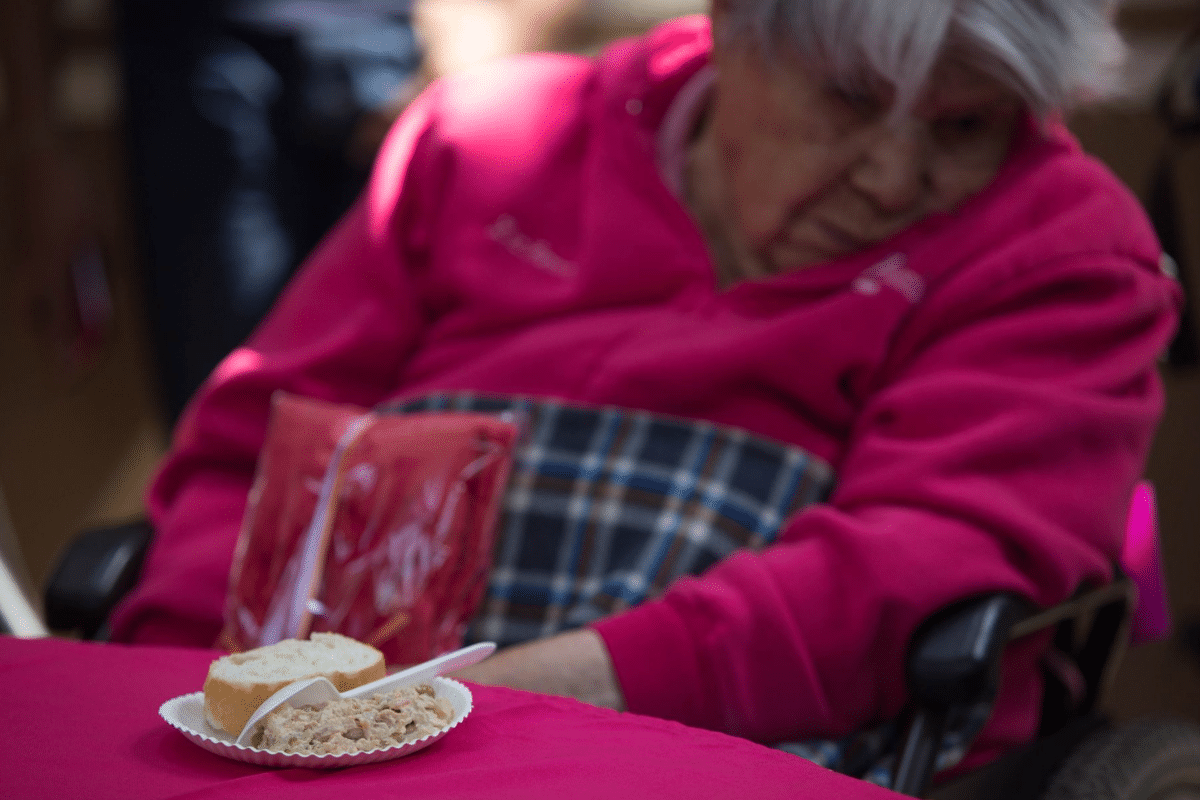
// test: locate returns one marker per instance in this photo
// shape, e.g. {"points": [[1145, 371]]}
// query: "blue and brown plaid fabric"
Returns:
{"points": [[607, 506]]}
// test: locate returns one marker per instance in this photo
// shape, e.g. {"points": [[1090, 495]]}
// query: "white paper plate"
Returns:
{"points": [[186, 714]]}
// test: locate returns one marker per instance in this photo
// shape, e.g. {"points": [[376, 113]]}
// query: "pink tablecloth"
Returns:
{"points": [[81, 721]]}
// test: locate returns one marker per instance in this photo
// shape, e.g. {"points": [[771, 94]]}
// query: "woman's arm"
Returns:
{"points": [[999, 455], [574, 664]]}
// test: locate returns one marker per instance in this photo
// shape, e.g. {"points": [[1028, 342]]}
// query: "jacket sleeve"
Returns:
{"points": [[341, 331], [998, 450]]}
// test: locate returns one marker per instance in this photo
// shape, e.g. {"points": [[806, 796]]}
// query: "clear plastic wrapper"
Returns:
{"points": [[377, 526]]}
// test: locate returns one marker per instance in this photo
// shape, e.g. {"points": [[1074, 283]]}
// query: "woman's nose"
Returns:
{"points": [[893, 170]]}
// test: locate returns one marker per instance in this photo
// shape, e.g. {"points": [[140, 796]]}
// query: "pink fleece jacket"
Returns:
{"points": [[984, 383]]}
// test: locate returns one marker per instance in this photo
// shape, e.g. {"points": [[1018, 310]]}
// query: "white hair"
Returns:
{"points": [[1053, 53]]}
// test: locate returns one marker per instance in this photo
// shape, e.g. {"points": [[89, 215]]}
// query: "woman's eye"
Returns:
{"points": [[862, 103], [961, 126]]}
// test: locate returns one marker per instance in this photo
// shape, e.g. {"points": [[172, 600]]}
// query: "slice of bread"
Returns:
{"points": [[238, 684]]}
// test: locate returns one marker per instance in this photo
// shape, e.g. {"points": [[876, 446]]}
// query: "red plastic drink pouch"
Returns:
{"points": [[377, 526]]}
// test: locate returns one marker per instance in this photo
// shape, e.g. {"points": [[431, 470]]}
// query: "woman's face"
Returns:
{"points": [[808, 173]]}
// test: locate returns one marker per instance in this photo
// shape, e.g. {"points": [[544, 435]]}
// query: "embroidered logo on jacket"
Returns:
{"points": [[893, 273], [505, 232]]}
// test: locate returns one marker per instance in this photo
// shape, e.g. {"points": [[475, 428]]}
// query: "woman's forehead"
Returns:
{"points": [[953, 83]]}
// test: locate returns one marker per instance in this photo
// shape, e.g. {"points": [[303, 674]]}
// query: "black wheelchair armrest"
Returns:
{"points": [[96, 570], [954, 658], [953, 662]]}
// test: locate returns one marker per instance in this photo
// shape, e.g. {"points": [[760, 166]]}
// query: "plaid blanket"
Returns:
{"points": [[607, 506]]}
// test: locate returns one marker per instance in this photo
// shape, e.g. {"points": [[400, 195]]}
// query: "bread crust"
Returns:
{"points": [[231, 698]]}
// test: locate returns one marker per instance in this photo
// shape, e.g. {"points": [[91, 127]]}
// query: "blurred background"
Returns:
{"points": [[105, 209]]}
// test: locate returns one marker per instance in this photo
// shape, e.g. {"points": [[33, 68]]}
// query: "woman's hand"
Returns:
{"points": [[573, 664]]}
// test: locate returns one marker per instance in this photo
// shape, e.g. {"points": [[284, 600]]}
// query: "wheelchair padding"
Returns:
{"points": [[1142, 562]]}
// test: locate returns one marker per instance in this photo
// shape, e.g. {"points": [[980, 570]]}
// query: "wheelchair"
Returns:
{"points": [[953, 665]]}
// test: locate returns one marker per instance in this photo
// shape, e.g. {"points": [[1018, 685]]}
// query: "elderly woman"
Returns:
{"points": [[847, 241]]}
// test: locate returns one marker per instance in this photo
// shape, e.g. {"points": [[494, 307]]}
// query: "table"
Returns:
{"points": [[81, 720]]}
